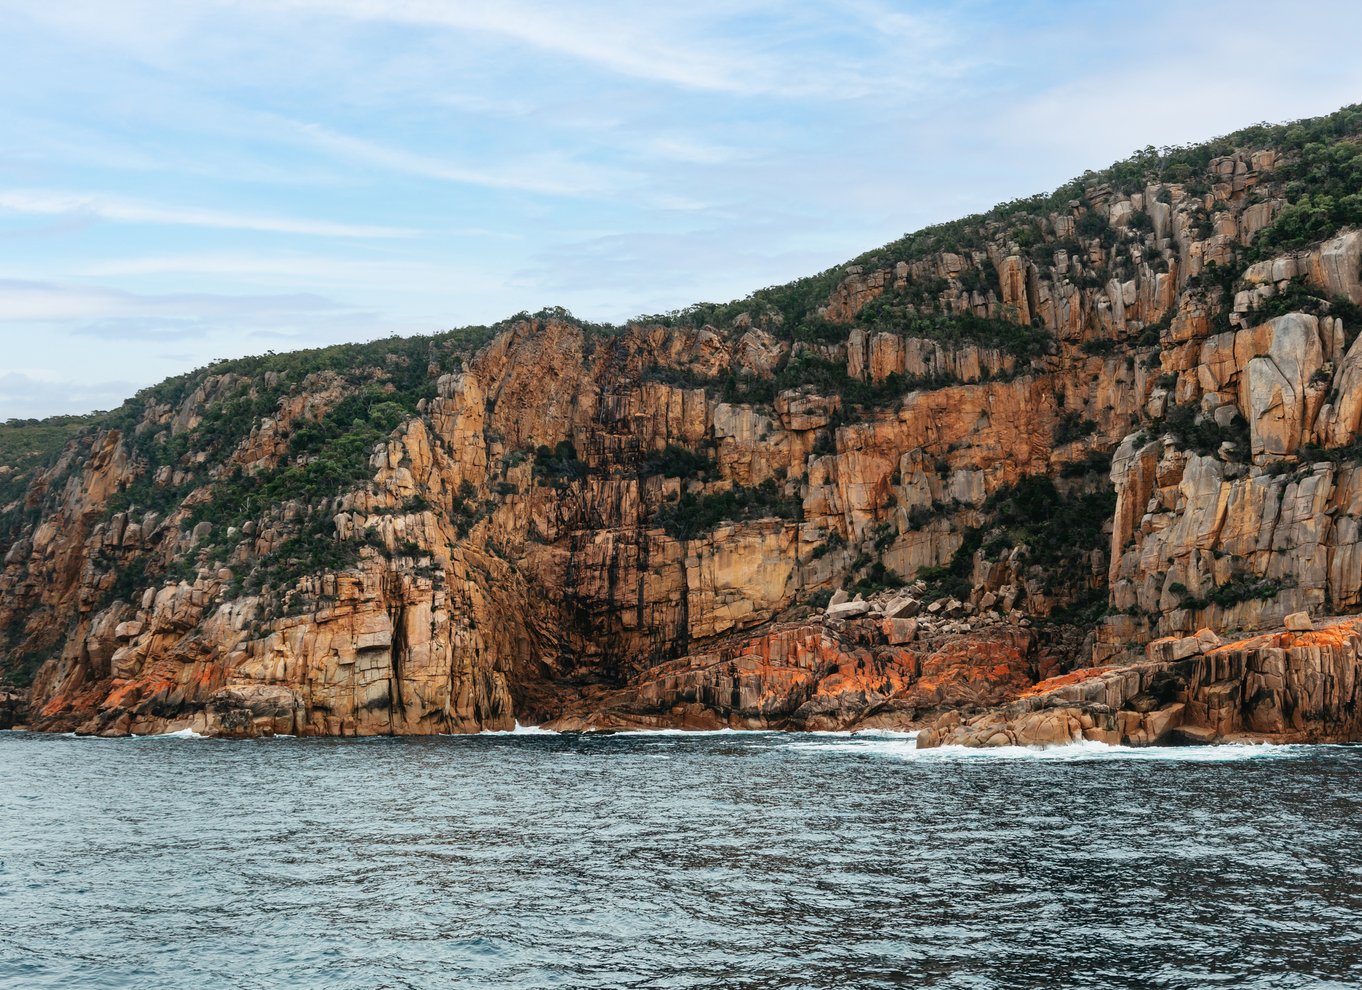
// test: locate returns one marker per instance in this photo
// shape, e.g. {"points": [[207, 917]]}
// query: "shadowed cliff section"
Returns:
{"points": [[1040, 437]]}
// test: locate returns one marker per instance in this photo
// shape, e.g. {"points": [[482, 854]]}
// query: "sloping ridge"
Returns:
{"points": [[1022, 445]]}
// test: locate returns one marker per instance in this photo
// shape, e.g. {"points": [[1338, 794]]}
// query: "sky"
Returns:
{"points": [[192, 180]]}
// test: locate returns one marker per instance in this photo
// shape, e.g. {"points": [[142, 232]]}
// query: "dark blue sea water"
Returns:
{"points": [[714, 860]]}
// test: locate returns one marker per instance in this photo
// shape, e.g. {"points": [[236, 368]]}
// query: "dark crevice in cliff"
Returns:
{"points": [[641, 539], [682, 638], [397, 613]]}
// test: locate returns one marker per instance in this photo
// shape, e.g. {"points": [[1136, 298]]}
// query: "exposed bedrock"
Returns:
{"points": [[1286, 686], [910, 491]]}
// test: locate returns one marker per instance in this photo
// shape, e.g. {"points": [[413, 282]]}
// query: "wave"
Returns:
{"points": [[534, 730], [1075, 752], [518, 730], [903, 734], [890, 743], [529, 730], [726, 731], [185, 733]]}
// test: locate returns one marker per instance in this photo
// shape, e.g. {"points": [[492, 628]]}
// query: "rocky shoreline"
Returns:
{"points": [[961, 674]]}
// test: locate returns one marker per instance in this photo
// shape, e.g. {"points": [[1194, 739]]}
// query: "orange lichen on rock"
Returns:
{"points": [[1332, 633], [1064, 680]]}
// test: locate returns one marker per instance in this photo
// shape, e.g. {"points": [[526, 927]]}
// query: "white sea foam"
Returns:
{"points": [[726, 731], [1075, 752], [890, 743], [518, 730], [185, 733], [534, 730], [530, 730], [863, 734]]}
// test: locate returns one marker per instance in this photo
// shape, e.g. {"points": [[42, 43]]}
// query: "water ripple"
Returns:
{"points": [[668, 860]]}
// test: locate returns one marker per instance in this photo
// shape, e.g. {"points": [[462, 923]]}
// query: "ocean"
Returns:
{"points": [[674, 860]]}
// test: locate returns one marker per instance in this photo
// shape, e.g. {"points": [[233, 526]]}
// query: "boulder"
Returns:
{"points": [[1170, 649], [1272, 392], [1209, 640], [899, 631], [847, 610], [1340, 261], [1195, 735], [1298, 622], [902, 607], [1158, 723]]}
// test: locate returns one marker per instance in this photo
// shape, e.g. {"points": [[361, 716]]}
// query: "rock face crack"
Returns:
{"points": [[397, 613]]}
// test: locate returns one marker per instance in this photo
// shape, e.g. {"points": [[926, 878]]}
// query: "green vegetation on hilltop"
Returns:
{"points": [[29, 445], [793, 305], [1313, 148], [324, 459], [405, 362], [1321, 165], [1323, 180]]}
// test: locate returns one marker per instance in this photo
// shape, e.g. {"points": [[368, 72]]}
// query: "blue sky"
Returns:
{"points": [[192, 180]]}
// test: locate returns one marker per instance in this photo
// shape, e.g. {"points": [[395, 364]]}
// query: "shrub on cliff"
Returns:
{"points": [[1058, 530], [1073, 426], [877, 577], [1323, 179], [560, 465], [1196, 431], [675, 461], [891, 313], [694, 515], [1301, 297]]}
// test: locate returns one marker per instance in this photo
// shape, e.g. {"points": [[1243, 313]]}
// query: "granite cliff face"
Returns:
{"points": [[1286, 687], [1027, 445]]}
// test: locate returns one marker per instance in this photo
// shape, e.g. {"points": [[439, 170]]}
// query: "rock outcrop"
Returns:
{"points": [[1026, 445], [1290, 686], [859, 667]]}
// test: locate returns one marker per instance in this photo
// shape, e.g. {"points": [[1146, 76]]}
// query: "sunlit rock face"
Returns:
{"points": [[1102, 420]]}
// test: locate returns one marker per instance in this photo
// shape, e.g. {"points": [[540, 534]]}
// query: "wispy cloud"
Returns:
{"points": [[389, 275], [98, 206], [603, 38], [232, 264], [23, 301], [552, 175], [682, 148]]}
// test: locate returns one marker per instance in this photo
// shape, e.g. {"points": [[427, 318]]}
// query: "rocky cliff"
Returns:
{"points": [[1017, 447], [1298, 685]]}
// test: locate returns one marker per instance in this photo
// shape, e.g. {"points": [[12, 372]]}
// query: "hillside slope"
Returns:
{"points": [[1034, 440]]}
